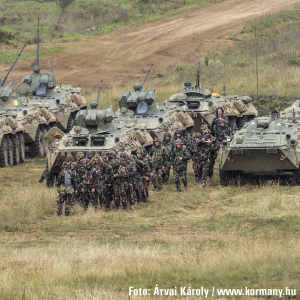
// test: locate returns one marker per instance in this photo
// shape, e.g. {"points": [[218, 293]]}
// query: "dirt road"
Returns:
{"points": [[123, 56]]}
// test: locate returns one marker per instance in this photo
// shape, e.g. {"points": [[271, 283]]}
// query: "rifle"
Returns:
{"points": [[4, 79]]}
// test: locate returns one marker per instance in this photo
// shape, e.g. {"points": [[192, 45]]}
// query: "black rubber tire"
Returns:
{"points": [[296, 176], [22, 146], [16, 149], [225, 177], [232, 124], [37, 148], [71, 123], [240, 123], [3, 153], [10, 151]]}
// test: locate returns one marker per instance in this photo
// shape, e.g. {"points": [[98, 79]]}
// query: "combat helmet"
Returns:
{"points": [[65, 165], [178, 142], [69, 157], [167, 134], [156, 140], [96, 156], [80, 154], [89, 154]]}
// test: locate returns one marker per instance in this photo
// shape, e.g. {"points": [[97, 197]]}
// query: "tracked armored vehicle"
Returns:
{"points": [[138, 108], [96, 132], [264, 146], [202, 105], [35, 118], [63, 101]]}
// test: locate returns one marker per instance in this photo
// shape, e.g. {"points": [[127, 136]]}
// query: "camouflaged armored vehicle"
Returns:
{"points": [[12, 143], [264, 146], [35, 118], [138, 108], [63, 101], [96, 132], [202, 105]]}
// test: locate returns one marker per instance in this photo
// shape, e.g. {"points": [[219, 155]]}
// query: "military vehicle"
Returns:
{"points": [[12, 143], [292, 111], [63, 101], [264, 146], [94, 131], [202, 105], [36, 119], [138, 107]]}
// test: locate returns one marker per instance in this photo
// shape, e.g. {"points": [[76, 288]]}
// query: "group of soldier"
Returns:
{"points": [[119, 178]]}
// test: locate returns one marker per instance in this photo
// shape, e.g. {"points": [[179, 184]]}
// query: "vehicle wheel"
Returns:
{"points": [[71, 123], [22, 147], [296, 176], [225, 177], [232, 124], [240, 123], [16, 149], [10, 151], [3, 153], [37, 148]]}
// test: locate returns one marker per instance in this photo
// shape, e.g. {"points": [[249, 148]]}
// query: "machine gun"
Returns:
{"points": [[146, 76], [94, 103], [198, 76], [4, 79]]}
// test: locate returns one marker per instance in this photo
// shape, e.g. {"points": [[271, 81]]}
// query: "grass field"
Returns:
{"points": [[231, 237]]}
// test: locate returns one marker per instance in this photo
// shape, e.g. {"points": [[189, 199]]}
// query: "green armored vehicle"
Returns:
{"points": [[138, 108], [264, 146], [202, 105], [96, 132], [63, 101], [35, 118]]}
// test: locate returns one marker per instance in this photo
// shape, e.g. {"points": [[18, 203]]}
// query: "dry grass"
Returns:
{"points": [[223, 237]]}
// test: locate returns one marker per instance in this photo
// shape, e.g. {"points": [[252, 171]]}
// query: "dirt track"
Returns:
{"points": [[124, 55]]}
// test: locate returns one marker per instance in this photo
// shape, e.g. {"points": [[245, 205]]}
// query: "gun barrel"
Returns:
{"points": [[198, 76], [146, 76], [4, 79], [100, 87], [38, 43]]}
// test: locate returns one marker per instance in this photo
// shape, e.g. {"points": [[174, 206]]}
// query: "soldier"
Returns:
{"points": [[112, 160], [150, 162], [142, 176], [216, 121], [121, 185], [157, 153], [104, 180], [180, 160], [78, 173], [65, 190], [203, 155], [185, 142], [222, 131], [168, 145], [88, 187], [193, 153]]}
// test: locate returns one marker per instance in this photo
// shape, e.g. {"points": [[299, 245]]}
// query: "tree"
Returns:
{"points": [[64, 4]]}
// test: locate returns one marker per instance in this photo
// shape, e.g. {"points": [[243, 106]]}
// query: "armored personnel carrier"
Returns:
{"points": [[35, 118], [63, 101], [264, 146], [202, 105], [96, 132], [138, 107]]}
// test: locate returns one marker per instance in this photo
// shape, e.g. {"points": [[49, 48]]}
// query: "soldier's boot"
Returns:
{"points": [[59, 209], [42, 178], [203, 184], [185, 184], [106, 209], [117, 208], [197, 179], [159, 187], [132, 207], [154, 188], [178, 189]]}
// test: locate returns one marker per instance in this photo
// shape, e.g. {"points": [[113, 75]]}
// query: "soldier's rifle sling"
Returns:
{"points": [[4, 79], [146, 76]]}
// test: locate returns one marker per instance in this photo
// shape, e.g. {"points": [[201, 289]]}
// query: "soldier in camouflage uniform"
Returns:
{"points": [[194, 156], [180, 161], [112, 160], [216, 121], [142, 176], [78, 173], [104, 180], [168, 145], [222, 131], [150, 162], [88, 187], [157, 153], [121, 184], [65, 190], [203, 156]]}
